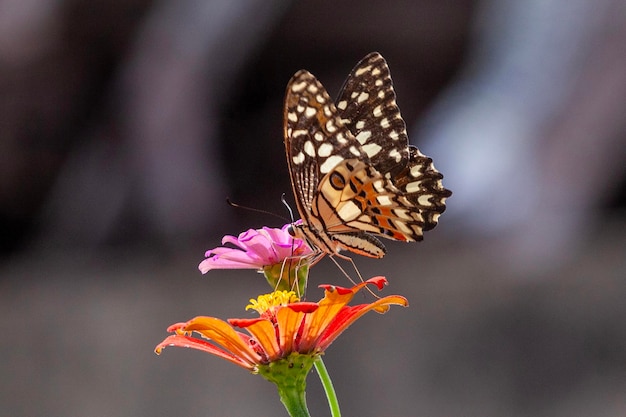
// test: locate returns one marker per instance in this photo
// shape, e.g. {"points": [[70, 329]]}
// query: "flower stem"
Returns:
{"points": [[289, 374], [333, 403], [294, 401]]}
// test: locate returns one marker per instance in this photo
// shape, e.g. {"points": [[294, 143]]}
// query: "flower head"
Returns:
{"points": [[287, 327], [255, 249], [283, 259]]}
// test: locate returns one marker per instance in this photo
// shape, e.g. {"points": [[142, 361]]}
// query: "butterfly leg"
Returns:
{"points": [[347, 258], [290, 270]]}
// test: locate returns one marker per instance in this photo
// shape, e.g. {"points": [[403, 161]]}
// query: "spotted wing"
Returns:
{"points": [[316, 139], [368, 108], [339, 194]]}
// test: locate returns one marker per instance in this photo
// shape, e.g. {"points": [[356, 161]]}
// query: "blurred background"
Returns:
{"points": [[124, 125]]}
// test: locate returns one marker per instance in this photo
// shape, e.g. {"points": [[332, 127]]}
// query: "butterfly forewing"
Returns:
{"points": [[315, 138], [367, 104]]}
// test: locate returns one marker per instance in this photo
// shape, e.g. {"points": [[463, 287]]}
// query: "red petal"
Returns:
{"points": [[303, 307]]}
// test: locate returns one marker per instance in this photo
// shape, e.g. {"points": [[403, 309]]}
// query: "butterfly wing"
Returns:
{"points": [[368, 108], [316, 139], [352, 172]]}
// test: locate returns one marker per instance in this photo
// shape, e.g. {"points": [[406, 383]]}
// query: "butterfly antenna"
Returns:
{"points": [[256, 210], [286, 204]]}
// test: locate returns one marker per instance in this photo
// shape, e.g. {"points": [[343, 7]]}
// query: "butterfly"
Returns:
{"points": [[353, 173]]}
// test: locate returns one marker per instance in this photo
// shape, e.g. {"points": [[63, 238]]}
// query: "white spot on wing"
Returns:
{"points": [[330, 163], [413, 187], [298, 159], [342, 105], [318, 136], [372, 149], [360, 124], [423, 200], [349, 211], [363, 136], [379, 186], [310, 112], [416, 170], [309, 149], [378, 111], [355, 151], [395, 155], [325, 149], [296, 88], [292, 117], [362, 97], [362, 71], [404, 228], [384, 200]]}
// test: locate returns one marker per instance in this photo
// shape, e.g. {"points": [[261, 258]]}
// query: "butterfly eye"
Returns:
{"points": [[337, 181], [291, 230]]}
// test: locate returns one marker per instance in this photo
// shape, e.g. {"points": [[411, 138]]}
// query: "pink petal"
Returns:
{"points": [[234, 259]]}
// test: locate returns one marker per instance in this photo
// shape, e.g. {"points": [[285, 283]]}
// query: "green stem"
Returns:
{"points": [[289, 374], [333, 403], [294, 401]]}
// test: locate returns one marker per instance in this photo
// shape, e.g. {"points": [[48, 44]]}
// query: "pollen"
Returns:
{"points": [[268, 301]]}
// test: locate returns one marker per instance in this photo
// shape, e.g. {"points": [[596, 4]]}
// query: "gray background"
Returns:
{"points": [[125, 125]]}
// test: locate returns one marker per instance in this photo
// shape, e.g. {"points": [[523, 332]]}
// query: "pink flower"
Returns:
{"points": [[255, 249]]}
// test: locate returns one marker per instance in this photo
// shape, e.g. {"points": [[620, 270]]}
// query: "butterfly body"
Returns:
{"points": [[353, 173]]}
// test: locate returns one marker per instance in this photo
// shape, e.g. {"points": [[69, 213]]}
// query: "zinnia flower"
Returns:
{"points": [[285, 326], [282, 258], [286, 340]]}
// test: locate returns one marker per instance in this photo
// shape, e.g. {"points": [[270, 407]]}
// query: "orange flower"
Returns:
{"points": [[286, 326]]}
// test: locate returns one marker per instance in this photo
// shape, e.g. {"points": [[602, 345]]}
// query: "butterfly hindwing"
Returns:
{"points": [[355, 197]]}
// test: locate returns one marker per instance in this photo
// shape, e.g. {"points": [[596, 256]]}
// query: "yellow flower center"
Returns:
{"points": [[267, 301]]}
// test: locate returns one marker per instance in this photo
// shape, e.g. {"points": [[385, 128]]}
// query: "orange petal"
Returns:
{"points": [[223, 334], [334, 300], [349, 315], [265, 334], [288, 322], [193, 343]]}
